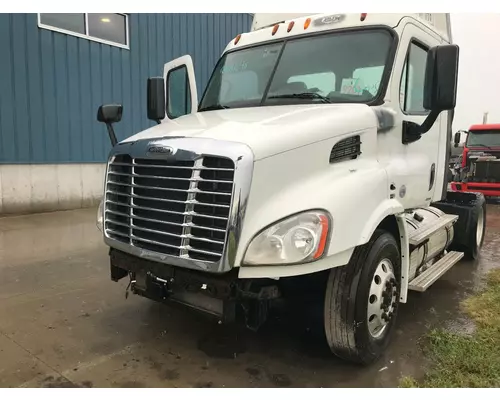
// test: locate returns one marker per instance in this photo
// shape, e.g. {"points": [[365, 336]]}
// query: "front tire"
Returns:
{"points": [[362, 301]]}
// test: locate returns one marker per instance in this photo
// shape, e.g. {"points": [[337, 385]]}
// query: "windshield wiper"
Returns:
{"points": [[305, 95], [480, 145], [213, 107]]}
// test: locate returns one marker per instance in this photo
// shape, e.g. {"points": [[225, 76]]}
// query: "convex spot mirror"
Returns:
{"points": [[110, 113]]}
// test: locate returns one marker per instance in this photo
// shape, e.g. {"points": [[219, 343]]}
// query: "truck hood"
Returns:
{"points": [[267, 130]]}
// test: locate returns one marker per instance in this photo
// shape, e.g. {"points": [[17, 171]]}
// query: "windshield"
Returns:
{"points": [[483, 139], [336, 67]]}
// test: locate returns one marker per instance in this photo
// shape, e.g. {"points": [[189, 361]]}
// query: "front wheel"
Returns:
{"points": [[362, 301]]}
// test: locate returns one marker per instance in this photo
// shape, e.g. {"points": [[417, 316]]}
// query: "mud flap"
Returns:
{"points": [[468, 206]]}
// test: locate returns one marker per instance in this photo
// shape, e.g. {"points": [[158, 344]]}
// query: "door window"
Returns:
{"points": [[411, 95], [178, 93]]}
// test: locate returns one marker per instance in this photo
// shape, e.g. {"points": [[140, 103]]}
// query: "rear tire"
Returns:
{"points": [[360, 297], [477, 228], [470, 229]]}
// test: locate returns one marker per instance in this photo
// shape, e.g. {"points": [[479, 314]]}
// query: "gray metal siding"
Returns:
{"points": [[51, 84]]}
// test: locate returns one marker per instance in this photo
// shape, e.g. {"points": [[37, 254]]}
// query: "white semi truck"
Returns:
{"points": [[316, 159]]}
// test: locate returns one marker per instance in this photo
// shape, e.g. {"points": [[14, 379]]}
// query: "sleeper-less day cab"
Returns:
{"points": [[316, 158]]}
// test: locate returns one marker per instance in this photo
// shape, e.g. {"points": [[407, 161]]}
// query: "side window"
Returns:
{"points": [[178, 93], [322, 83], [411, 94]]}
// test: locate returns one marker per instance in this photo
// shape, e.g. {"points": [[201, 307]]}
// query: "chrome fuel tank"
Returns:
{"points": [[436, 243]]}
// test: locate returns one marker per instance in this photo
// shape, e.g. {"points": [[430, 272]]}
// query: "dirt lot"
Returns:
{"points": [[63, 323]]}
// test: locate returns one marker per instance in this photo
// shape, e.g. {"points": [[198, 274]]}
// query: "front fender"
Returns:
{"points": [[355, 193], [385, 208]]}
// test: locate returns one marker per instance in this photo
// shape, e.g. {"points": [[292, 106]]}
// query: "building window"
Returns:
{"points": [[413, 80], [110, 29]]}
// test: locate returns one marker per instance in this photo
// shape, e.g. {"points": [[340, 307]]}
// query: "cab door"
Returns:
{"points": [[181, 96], [412, 168]]}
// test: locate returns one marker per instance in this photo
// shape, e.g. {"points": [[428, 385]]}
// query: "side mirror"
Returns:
{"points": [[441, 77], [456, 138], [109, 114], [440, 89], [156, 99]]}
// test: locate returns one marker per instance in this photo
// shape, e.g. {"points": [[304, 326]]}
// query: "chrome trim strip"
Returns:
{"points": [[192, 149], [201, 168]]}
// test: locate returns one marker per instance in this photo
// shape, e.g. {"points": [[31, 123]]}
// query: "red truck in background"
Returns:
{"points": [[478, 169]]}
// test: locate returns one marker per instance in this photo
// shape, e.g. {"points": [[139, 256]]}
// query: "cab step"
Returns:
{"points": [[422, 282], [425, 231]]}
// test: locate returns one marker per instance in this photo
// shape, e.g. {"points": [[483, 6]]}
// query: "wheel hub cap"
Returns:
{"points": [[480, 228], [382, 298]]}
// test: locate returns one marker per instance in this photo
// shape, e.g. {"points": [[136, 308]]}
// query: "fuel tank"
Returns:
{"points": [[424, 254]]}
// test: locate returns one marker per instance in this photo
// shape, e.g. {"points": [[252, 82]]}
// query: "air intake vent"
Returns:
{"points": [[346, 149]]}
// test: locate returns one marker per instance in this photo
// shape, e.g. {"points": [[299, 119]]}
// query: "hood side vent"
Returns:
{"points": [[346, 149]]}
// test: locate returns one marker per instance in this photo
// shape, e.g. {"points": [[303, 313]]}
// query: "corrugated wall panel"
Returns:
{"points": [[51, 84]]}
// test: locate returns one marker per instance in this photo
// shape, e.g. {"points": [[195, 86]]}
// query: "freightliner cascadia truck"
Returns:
{"points": [[316, 160]]}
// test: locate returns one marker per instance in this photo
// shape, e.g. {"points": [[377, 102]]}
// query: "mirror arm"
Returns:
{"points": [[413, 131], [111, 133]]}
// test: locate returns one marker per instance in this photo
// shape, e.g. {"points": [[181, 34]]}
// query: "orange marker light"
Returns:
{"points": [[307, 23], [275, 29], [322, 239], [363, 16], [237, 39], [290, 26]]}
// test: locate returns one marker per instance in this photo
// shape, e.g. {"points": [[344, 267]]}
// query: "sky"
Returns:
{"points": [[478, 36]]}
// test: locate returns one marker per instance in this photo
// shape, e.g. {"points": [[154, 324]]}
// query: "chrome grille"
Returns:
{"points": [[177, 208]]}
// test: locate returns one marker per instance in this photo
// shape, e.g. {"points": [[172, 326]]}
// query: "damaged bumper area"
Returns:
{"points": [[223, 296]]}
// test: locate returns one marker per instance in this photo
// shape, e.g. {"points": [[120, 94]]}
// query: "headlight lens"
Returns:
{"points": [[100, 213], [299, 238]]}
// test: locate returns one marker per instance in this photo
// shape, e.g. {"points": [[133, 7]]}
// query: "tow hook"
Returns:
{"points": [[131, 285]]}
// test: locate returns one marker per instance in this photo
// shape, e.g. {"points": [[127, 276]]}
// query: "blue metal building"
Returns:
{"points": [[56, 69]]}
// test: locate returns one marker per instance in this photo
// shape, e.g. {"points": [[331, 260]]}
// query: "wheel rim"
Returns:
{"points": [[480, 228], [382, 298]]}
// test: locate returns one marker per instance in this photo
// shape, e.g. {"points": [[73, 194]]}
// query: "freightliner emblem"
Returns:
{"points": [[329, 19], [163, 150]]}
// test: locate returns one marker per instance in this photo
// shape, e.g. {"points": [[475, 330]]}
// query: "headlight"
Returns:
{"points": [[100, 213], [297, 239]]}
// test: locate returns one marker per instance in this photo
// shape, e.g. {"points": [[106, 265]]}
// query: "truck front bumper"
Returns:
{"points": [[487, 189], [218, 295]]}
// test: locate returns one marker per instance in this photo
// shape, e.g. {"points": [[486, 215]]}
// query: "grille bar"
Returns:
{"points": [[201, 168], [177, 208], [188, 236], [140, 239], [165, 222], [134, 196], [136, 175], [169, 189]]}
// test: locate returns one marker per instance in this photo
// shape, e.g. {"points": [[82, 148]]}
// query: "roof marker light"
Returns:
{"points": [[363, 16], [275, 29], [290, 26], [237, 39], [307, 23]]}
